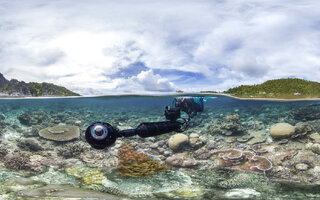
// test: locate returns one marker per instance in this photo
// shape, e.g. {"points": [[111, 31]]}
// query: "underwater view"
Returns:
{"points": [[233, 149]]}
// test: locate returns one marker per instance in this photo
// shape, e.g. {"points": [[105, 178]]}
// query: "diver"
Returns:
{"points": [[101, 135]]}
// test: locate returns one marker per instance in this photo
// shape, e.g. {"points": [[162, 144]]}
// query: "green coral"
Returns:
{"points": [[92, 177], [88, 176]]}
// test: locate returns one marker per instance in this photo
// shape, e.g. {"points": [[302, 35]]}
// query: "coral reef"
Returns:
{"points": [[301, 129], [3, 152], [246, 160], [32, 118], [17, 161], [196, 141], [137, 164], [36, 163], [72, 150], [3, 124], [181, 160], [202, 154], [165, 181], [230, 125], [61, 133], [307, 113], [29, 144], [177, 141], [281, 130], [66, 192], [87, 175]]}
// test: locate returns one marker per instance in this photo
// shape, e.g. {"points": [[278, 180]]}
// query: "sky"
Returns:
{"points": [[101, 47]]}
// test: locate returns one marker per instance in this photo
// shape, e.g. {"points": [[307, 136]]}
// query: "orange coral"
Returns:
{"points": [[137, 164]]}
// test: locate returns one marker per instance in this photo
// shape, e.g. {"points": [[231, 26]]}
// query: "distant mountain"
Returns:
{"points": [[21, 88], [279, 88]]}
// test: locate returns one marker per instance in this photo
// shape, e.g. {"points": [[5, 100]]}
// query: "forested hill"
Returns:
{"points": [[279, 88], [21, 88]]}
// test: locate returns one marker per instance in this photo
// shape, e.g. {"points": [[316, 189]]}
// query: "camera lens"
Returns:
{"points": [[99, 132], [101, 135]]}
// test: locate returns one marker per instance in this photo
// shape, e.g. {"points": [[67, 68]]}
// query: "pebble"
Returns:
{"points": [[211, 145], [154, 146], [245, 193], [166, 153], [315, 137], [161, 150], [194, 135], [302, 166], [161, 143], [315, 148], [308, 146], [244, 139]]}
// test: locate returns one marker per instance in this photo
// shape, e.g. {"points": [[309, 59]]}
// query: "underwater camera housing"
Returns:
{"points": [[101, 135]]}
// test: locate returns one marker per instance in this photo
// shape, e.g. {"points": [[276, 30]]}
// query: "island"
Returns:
{"points": [[15, 88], [285, 88]]}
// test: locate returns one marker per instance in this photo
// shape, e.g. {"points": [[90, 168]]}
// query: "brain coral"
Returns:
{"points": [[60, 133]]}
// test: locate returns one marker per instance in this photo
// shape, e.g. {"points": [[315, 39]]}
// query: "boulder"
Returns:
{"points": [[281, 130], [177, 141]]}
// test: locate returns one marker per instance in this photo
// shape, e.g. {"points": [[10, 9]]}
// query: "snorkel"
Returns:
{"points": [[101, 135]]}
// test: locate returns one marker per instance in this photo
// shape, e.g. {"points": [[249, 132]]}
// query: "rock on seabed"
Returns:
{"points": [[244, 193], [280, 130], [177, 141]]}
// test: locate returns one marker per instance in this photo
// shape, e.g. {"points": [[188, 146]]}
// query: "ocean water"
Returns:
{"points": [[203, 166]]}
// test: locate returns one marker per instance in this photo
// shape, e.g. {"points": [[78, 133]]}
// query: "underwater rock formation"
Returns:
{"points": [[177, 141], [60, 133], [230, 125], [137, 164]]}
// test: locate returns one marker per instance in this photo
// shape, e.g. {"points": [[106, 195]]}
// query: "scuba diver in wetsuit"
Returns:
{"points": [[101, 135]]}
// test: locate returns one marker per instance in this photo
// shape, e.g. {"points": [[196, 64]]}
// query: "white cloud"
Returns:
{"points": [[147, 81], [84, 45]]}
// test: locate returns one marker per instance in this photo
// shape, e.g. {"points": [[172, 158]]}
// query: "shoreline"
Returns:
{"points": [[275, 99], [162, 95]]}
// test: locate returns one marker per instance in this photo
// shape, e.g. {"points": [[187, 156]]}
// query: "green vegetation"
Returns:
{"points": [[209, 91], [21, 88], [45, 89], [289, 88]]}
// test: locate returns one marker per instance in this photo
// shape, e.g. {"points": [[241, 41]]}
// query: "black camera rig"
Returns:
{"points": [[101, 135]]}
